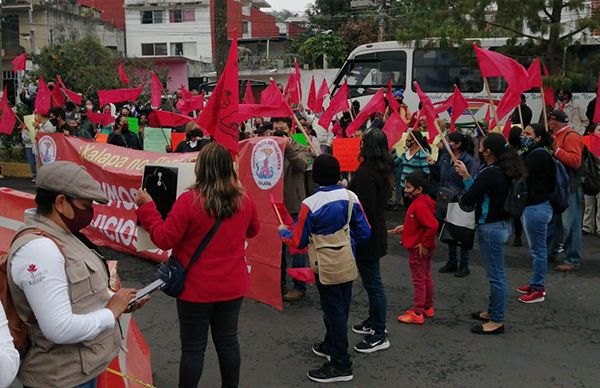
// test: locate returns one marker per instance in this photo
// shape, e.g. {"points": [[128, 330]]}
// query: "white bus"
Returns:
{"points": [[370, 66]]}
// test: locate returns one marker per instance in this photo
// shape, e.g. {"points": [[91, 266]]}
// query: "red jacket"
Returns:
{"points": [[420, 224], [220, 274], [569, 147]]}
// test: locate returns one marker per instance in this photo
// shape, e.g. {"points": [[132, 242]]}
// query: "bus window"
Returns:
{"points": [[437, 70], [368, 72]]}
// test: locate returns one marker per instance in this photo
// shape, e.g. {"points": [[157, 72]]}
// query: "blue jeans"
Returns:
{"points": [[535, 220], [492, 238], [89, 384], [568, 225], [463, 261], [298, 261], [31, 161], [370, 273], [335, 303]]}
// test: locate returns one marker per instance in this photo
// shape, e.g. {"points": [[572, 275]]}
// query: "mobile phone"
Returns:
{"points": [[149, 289]]}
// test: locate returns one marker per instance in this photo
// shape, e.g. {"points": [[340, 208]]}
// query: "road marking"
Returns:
{"points": [[9, 223]]}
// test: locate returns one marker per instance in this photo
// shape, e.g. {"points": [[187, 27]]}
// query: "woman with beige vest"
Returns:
{"points": [[60, 287]]}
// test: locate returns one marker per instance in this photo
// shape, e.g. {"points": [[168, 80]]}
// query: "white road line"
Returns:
{"points": [[10, 223]]}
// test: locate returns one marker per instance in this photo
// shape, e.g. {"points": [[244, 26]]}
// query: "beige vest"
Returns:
{"points": [[52, 365]]}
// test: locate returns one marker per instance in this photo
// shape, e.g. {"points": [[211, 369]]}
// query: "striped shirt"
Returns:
{"points": [[416, 162]]}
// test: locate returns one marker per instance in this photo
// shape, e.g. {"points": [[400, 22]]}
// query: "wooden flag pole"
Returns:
{"points": [[521, 116], [476, 122], [308, 140], [452, 156], [544, 109], [490, 98], [419, 144]]}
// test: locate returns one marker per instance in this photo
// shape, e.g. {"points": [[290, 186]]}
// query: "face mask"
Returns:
{"points": [[54, 122], [560, 98], [81, 217], [526, 142]]}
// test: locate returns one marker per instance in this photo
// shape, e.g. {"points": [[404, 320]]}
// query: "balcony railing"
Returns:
{"points": [[261, 62]]}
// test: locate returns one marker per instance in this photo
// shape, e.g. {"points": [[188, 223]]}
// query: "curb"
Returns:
{"points": [[15, 170]]}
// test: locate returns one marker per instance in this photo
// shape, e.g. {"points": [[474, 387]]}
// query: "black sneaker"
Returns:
{"points": [[462, 272], [330, 374], [319, 349], [363, 328], [373, 343], [448, 268]]}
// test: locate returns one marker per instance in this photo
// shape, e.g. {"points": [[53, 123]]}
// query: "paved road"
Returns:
{"points": [[550, 344]]}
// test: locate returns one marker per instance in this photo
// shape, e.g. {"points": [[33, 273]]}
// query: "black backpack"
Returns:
{"points": [[516, 200], [590, 173]]}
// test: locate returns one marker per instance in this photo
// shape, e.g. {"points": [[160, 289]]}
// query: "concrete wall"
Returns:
{"points": [[198, 32]]}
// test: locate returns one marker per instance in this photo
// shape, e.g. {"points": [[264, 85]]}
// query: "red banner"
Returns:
{"points": [[119, 172]]}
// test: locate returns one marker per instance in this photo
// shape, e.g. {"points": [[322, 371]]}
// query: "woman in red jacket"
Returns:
{"points": [[216, 284]]}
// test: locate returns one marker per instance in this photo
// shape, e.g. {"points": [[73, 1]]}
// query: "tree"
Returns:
{"points": [[359, 31], [328, 14], [330, 46]]}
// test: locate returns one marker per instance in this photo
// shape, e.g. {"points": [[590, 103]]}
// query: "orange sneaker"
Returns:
{"points": [[429, 313], [411, 317]]}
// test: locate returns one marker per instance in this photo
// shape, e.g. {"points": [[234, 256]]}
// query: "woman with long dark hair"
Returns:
{"points": [[541, 178], [215, 286], [487, 193], [372, 182]]}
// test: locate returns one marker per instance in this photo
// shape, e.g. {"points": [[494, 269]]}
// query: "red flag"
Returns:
{"points": [[186, 94], [304, 274], [118, 95], [427, 110], [507, 127], [8, 118], [323, 91], [376, 104], [57, 96], [394, 128], [76, 98], [161, 118], [271, 96], [220, 116], [493, 64], [549, 99], [43, 98], [123, 75], [337, 129], [291, 93], [459, 105], [488, 115], [312, 102], [157, 90], [19, 63], [338, 103], [104, 119], [272, 104], [394, 105], [248, 96], [597, 107], [286, 218], [508, 103], [535, 74], [185, 106]]}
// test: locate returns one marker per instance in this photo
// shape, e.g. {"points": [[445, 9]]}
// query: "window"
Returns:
{"points": [[182, 15], [152, 17], [246, 29], [187, 49], [154, 49], [368, 72], [437, 70]]}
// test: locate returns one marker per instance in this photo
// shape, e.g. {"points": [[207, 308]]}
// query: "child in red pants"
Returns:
{"points": [[418, 236]]}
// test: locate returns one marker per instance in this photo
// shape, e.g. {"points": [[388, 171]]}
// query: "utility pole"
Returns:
{"points": [[221, 41], [381, 17]]}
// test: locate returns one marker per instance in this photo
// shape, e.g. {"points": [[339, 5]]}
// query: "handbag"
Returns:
{"points": [[458, 227], [444, 197], [173, 273], [331, 255]]}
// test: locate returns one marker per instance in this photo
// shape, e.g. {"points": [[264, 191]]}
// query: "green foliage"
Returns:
{"points": [[359, 31], [328, 14], [332, 46]]}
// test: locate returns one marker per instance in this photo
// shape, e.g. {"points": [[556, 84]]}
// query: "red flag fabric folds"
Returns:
{"points": [[43, 98], [57, 97], [157, 90], [493, 64], [338, 103], [160, 118], [305, 274], [185, 106], [394, 128], [535, 74], [507, 127], [394, 105], [220, 116], [427, 110], [123, 75], [549, 99], [323, 91], [104, 119], [19, 63], [8, 119], [291, 92], [509, 101], [459, 105], [312, 102], [271, 95], [376, 104], [248, 96], [118, 95]]}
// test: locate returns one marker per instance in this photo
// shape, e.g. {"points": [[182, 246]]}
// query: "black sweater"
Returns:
{"points": [[541, 175], [487, 193]]}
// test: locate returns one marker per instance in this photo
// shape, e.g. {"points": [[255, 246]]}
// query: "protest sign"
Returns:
{"points": [[300, 139], [101, 137], [176, 138], [346, 151], [133, 124], [155, 139]]}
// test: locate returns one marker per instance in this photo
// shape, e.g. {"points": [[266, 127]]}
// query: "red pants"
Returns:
{"points": [[420, 268]]}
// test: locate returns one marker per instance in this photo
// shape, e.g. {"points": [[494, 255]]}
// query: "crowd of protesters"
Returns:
{"points": [[343, 224]]}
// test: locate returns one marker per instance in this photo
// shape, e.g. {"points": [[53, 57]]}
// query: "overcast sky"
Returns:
{"points": [[292, 5]]}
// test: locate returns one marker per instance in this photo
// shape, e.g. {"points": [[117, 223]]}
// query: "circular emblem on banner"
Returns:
{"points": [[47, 150], [267, 163]]}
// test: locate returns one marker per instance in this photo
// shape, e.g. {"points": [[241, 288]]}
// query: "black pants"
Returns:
{"points": [[335, 303], [194, 321]]}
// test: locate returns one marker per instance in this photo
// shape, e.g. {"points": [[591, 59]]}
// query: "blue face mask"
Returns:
{"points": [[526, 142]]}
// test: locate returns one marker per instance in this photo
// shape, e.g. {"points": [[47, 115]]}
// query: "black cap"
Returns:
{"points": [[326, 170], [195, 133], [559, 116]]}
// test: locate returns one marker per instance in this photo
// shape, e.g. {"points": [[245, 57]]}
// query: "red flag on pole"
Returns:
{"points": [[292, 95], [597, 107], [104, 119], [535, 74], [427, 110], [19, 63], [123, 75], [271, 96], [323, 91], [394, 105], [185, 106], [220, 116], [76, 98], [459, 105], [248, 96], [8, 118], [376, 104], [160, 118], [549, 99], [493, 64], [338, 103], [507, 127], [118, 95], [186, 94], [43, 98], [394, 128], [312, 102], [157, 90], [57, 96], [508, 103], [337, 129]]}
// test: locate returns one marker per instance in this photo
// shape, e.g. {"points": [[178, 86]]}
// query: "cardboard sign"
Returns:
{"points": [[300, 139], [133, 124], [176, 138], [101, 137], [155, 139], [346, 151]]}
